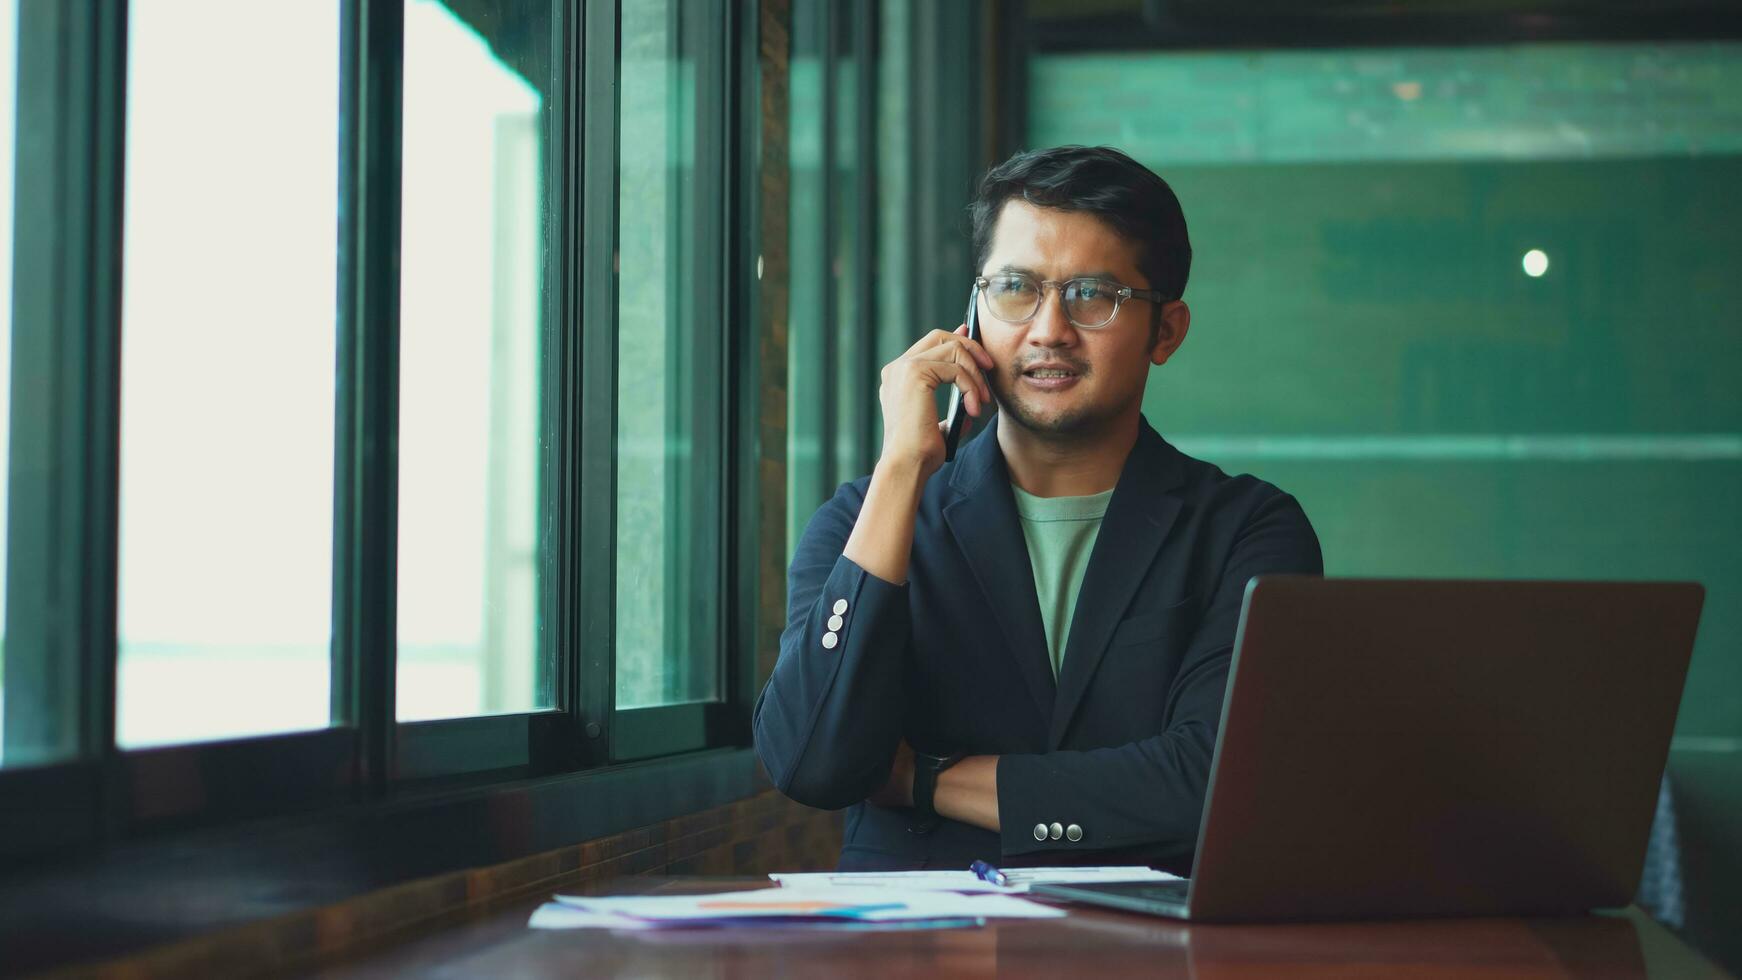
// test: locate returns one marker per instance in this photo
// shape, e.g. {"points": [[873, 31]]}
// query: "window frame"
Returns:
{"points": [[366, 419], [646, 731], [264, 826], [64, 449], [102, 802], [63, 469], [538, 741]]}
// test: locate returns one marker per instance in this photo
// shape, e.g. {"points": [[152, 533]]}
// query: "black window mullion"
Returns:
{"points": [[559, 511], [595, 676], [65, 414], [562, 588], [366, 501]]}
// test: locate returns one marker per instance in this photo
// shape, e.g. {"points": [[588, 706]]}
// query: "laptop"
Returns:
{"points": [[1408, 747]]}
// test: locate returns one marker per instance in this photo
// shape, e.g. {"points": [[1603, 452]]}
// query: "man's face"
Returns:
{"points": [[1106, 367]]}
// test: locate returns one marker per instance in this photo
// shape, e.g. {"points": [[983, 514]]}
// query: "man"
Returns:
{"points": [[1020, 656]]}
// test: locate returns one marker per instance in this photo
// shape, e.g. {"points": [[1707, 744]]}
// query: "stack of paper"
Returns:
{"points": [[804, 905], [966, 882]]}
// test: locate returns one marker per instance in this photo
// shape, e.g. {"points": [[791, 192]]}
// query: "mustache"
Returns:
{"points": [[1018, 367]]}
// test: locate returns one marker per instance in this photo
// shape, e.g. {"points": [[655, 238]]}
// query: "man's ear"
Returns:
{"points": [[1176, 319]]}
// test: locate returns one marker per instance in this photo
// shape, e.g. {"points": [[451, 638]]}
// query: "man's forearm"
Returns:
{"points": [[882, 538], [968, 792]]}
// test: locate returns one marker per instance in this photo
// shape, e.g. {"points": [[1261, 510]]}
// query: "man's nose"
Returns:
{"points": [[1050, 327]]}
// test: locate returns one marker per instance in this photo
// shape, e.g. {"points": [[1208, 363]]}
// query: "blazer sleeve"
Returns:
{"points": [[824, 724], [1148, 795]]}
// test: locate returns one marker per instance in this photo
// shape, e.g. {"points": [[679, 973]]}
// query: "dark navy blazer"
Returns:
{"points": [[1118, 749]]}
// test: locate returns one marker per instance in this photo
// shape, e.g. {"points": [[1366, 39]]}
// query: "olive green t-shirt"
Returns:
{"points": [[1061, 533]]}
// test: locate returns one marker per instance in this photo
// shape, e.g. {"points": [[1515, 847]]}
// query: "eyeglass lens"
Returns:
{"points": [[1087, 302]]}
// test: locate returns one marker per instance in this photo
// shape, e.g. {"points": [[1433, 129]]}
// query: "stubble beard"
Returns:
{"points": [[1072, 422]]}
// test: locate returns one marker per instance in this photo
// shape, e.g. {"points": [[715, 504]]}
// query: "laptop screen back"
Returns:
{"points": [[1396, 747]]}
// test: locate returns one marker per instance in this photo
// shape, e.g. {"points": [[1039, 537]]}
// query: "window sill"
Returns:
{"points": [[139, 895]]}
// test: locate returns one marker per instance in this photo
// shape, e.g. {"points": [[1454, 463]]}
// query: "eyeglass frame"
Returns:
{"points": [[1120, 291]]}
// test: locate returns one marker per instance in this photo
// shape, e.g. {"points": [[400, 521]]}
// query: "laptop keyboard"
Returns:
{"points": [[1162, 891]]}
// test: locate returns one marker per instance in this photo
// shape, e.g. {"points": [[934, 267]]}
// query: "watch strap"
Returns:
{"points": [[926, 768]]}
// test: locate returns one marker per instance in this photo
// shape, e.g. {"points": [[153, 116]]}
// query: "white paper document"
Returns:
{"points": [[785, 906], [966, 882]]}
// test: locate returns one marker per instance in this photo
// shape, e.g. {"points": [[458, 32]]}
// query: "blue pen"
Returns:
{"points": [[985, 872]]}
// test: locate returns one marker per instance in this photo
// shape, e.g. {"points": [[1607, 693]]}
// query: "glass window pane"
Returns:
{"points": [[667, 637], [8, 142], [228, 352], [895, 123], [476, 223], [807, 255], [845, 262]]}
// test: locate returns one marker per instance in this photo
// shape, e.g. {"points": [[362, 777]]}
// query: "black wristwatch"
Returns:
{"points": [[925, 785]]}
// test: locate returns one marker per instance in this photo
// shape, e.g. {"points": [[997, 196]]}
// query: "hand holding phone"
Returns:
{"points": [[915, 442]]}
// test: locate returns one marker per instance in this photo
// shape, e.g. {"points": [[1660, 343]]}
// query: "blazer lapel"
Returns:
{"points": [[1139, 515], [984, 522]]}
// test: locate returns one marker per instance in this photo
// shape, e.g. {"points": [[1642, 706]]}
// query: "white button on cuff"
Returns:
{"points": [[840, 606], [1040, 831], [835, 622], [1056, 831], [829, 641], [1073, 833]]}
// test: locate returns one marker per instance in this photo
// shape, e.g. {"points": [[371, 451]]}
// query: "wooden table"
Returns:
{"points": [[1089, 943]]}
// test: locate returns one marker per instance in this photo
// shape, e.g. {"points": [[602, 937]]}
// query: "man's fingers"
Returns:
{"points": [[983, 359], [930, 340], [956, 352], [937, 338], [982, 388]]}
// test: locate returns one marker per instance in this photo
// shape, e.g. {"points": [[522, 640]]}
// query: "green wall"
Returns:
{"points": [[1365, 336]]}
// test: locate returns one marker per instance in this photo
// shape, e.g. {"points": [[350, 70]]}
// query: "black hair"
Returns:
{"points": [[1101, 181]]}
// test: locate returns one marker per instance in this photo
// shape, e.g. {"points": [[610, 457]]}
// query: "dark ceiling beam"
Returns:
{"points": [[1139, 25]]}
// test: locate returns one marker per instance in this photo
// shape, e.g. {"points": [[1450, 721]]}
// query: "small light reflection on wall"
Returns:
{"points": [[1535, 263]]}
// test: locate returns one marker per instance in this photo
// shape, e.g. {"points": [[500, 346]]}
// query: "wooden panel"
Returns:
{"points": [[752, 837], [774, 24]]}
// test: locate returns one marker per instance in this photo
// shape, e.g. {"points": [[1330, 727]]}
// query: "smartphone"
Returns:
{"points": [[958, 412]]}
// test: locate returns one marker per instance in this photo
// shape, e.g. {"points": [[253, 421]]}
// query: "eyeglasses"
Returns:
{"points": [[1089, 303]]}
